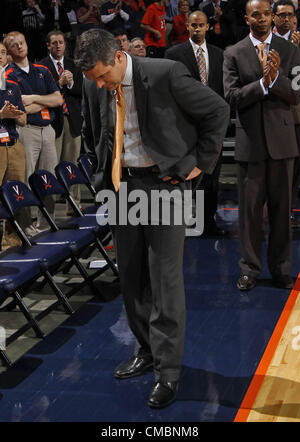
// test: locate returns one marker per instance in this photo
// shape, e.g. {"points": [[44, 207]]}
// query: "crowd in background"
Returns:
{"points": [[35, 18]]}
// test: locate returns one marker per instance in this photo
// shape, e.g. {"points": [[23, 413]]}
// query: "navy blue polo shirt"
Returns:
{"points": [[38, 81], [12, 94]]}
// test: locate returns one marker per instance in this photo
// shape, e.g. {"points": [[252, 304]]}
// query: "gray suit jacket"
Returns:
{"points": [[265, 123], [182, 122]]}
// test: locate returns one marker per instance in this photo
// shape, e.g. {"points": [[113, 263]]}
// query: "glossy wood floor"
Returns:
{"points": [[241, 358]]}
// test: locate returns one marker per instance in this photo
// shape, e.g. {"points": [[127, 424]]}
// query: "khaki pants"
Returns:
{"points": [[12, 167], [68, 149], [40, 151]]}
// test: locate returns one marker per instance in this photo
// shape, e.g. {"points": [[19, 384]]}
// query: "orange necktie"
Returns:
{"points": [[116, 172], [262, 54]]}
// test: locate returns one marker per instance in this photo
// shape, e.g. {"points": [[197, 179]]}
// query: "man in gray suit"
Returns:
{"points": [[258, 83], [172, 132]]}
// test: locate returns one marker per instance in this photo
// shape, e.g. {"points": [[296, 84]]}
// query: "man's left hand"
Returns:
{"points": [[193, 174]]}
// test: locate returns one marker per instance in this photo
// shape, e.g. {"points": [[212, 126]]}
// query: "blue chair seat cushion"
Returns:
{"points": [[76, 239], [13, 275], [44, 255]]}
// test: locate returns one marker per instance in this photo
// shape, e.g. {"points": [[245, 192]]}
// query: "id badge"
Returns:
{"points": [[45, 114], [4, 135]]}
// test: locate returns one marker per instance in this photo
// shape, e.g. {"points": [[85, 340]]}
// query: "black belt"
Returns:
{"points": [[9, 143], [139, 171]]}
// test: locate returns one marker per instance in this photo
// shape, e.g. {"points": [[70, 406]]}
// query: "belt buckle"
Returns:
{"points": [[128, 170]]}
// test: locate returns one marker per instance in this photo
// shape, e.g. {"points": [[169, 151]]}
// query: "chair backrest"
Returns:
{"points": [[17, 195], [44, 183], [68, 174], [86, 166]]}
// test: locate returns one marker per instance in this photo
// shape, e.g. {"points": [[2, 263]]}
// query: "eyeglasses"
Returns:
{"points": [[284, 15], [139, 46]]}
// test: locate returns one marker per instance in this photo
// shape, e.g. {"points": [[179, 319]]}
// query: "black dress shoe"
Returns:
{"points": [[246, 282], [163, 394], [283, 281], [136, 366]]}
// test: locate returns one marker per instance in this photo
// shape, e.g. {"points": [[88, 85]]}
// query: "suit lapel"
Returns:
{"points": [[190, 58], [52, 69], [140, 83], [251, 58]]}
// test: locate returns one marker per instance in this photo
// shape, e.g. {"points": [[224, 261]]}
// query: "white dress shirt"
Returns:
{"points": [[267, 48], [205, 53], [134, 154]]}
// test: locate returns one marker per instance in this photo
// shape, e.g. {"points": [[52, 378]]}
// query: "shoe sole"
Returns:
{"points": [[135, 374]]}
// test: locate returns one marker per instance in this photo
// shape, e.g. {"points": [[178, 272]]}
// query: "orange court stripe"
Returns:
{"points": [[248, 401]]}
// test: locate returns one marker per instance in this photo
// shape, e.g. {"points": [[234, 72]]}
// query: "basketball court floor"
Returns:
{"points": [[241, 360]]}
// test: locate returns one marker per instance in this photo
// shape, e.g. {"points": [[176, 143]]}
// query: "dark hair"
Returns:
{"points": [[283, 3], [49, 35], [119, 31], [95, 45]]}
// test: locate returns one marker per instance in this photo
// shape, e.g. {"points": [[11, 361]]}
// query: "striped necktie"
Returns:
{"points": [[64, 105], [201, 65], [116, 171]]}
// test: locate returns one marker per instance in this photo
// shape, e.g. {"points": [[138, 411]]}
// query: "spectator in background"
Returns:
{"points": [[221, 23], [56, 16], [33, 20], [137, 10], [137, 47], [88, 15], [12, 154], [114, 15], [154, 24], [180, 33], [40, 95], [67, 122], [122, 36]]}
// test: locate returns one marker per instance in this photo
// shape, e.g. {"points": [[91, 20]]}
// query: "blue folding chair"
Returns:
{"points": [[20, 267], [86, 167], [44, 183], [68, 175]]}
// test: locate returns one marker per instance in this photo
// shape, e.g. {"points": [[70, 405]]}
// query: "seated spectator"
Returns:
{"points": [[137, 47], [115, 14], [33, 20], [88, 15], [122, 36], [154, 24], [179, 33]]}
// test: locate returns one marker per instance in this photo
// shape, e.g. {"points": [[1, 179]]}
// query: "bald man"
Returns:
{"points": [[265, 142], [197, 26]]}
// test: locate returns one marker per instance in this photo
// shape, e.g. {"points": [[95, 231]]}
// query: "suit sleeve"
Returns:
{"points": [[87, 130], [286, 87], [211, 114], [236, 95]]}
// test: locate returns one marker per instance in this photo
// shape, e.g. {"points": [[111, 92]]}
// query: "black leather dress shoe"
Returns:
{"points": [[136, 366], [163, 394], [245, 282], [283, 281]]}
